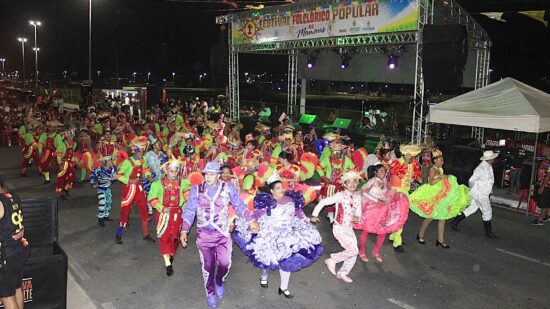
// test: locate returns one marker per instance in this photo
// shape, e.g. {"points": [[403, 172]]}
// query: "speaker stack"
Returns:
{"points": [[444, 56]]}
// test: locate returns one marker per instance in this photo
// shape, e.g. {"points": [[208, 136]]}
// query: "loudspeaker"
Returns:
{"points": [[444, 55], [445, 42]]}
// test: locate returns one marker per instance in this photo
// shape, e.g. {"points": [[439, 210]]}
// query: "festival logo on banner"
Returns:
{"points": [[357, 17], [26, 287]]}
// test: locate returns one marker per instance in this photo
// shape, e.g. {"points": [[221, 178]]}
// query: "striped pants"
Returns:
{"points": [[104, 203]]}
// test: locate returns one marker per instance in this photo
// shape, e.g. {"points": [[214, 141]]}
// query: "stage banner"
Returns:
{"points": [[331, 20]]}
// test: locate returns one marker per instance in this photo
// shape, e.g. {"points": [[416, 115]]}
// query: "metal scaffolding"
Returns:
{"points": [[420, 117], [429, 12], [292, 91], [233, 90]]}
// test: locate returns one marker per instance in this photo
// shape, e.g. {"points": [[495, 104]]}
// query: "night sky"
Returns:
{"points": [[161, 37]]}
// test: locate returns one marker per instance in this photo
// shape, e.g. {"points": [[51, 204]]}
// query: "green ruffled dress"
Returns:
{"points": [[442, 201]]}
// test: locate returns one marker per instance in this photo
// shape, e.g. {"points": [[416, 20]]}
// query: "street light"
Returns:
{"points": [[98, 73], [173, 78], [23, 40], [134, 74], [35, 24], [148, 75], [3, 69]]}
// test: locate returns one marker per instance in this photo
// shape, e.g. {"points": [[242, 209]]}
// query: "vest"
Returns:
{"points": [[213, 211]]}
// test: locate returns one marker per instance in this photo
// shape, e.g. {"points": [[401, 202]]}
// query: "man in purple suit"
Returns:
{"points": [[209, 201]]}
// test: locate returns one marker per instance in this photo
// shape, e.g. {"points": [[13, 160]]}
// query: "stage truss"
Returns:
{"points": [[429, 12]]}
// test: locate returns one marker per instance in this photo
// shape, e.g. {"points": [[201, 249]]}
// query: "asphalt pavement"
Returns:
{"points": [[476, 272]]}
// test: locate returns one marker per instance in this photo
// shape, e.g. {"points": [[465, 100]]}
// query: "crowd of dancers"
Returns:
{"points": [[178, 169]]}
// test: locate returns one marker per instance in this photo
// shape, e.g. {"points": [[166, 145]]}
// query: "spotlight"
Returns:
{"points": [[311, 61], [345, 61], [393, 62]]}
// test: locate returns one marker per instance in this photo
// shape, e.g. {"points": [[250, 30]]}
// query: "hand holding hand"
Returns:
{"points": [[183, 239]]}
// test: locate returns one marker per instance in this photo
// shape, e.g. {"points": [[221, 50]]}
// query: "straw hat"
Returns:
{"points": [[337, 147], [349, 175], [331, 136], [213, 125], [488, 155], [412, 150], [172, 163], [289, 127], [140, 142], [176, 138], [262, 127], [286, 136]]}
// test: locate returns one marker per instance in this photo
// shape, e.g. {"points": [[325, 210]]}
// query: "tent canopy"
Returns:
{"points": [[507, 105]]}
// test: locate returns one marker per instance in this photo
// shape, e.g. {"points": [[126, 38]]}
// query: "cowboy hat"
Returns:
{"points": [[212, 168], [488, 155]]}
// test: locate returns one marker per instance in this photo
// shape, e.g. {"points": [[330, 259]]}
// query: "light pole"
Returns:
{"points": [[35, 24], [134, 75], [148, 76], [173, 78], [23, 40], [90, 43], [3, 69], [98, 73]]}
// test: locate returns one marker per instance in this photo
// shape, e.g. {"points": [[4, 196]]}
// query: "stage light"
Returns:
{"points": [[311, 60], [393, 61], [345, 61]]}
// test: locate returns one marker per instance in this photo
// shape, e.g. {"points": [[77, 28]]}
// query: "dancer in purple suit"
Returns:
{"points": [[209, 201]]}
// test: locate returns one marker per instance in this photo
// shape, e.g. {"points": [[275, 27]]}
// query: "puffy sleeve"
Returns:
{"points": [[324, 202]]}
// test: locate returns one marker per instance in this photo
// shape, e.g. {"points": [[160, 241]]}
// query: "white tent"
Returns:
{"points": [[507, 105]]}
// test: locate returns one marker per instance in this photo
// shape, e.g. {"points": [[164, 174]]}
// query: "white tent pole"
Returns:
{"points": [[531, 187]]}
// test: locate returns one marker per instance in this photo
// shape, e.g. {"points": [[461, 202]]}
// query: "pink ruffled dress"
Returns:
{"points": [[384, 210]]}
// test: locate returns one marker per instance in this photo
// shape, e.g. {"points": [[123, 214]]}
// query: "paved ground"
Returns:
{"points": [[476, 272]]}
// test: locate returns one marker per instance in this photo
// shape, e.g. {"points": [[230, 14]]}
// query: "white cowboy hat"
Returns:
{"points": [[488, 155]]}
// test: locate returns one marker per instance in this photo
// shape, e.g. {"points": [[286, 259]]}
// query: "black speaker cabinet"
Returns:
{"points": [[444, 55]]}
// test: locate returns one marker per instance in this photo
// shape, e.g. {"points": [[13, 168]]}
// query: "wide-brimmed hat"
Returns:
{"points": [[412, 150], [262, 127], [337, 147], [350, 175], [488, 155], [331, 136], [172, 163], [140, 142], [286, 136], [212, 168], [289, 127]]}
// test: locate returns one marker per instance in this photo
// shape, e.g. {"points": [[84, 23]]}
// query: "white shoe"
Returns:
{"points": [[331, 265], [344, 278]]}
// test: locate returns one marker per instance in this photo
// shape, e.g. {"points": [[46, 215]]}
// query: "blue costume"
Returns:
{"points": [[103, 177]]}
